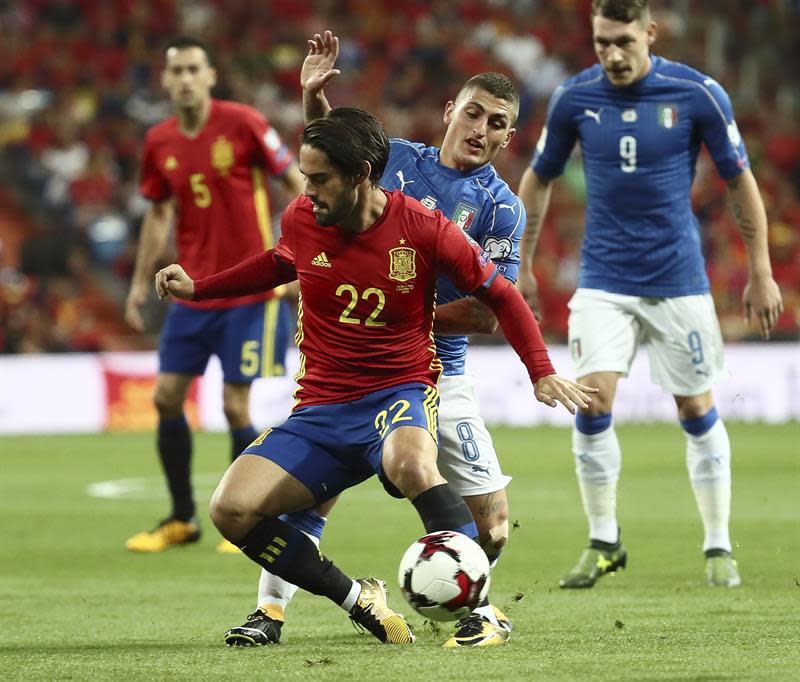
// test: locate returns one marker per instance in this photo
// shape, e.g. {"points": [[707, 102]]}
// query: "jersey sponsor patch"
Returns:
{"points": [[668, 115], [464, 215], [222, 155], [402, 264]]}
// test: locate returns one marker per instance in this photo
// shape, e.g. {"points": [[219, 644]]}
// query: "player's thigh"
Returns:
{"points": [[686, 351], [298, 446], [187, 339], [255, 484], [246, 350], [604, 332], [403, 453], [467, 458]]}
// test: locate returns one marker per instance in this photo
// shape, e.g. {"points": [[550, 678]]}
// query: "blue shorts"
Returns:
{"points": [[250, 340], [330, 448]]}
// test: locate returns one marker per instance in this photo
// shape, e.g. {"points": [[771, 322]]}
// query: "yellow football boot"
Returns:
{"points": [[169, 533]]}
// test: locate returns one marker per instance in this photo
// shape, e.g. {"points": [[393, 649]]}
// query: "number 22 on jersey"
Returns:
{"points": [[348, 291]]}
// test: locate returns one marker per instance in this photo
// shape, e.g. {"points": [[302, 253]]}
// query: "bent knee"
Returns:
{"points": [[413, 476], [232, 517]]}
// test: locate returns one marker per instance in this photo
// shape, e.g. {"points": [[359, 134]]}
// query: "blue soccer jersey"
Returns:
{"points": [[479, 201], [639, 146]]}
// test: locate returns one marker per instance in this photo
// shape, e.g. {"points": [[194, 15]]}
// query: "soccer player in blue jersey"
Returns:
{"points": [[640, 120], [459, 180]]}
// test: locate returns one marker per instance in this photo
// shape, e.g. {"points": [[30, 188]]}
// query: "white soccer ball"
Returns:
{"points": [[444, 575]]}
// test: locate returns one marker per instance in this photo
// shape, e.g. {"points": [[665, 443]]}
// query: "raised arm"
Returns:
{"points": [[317, 70], [762, 297], [152, 241], [534, 191]]}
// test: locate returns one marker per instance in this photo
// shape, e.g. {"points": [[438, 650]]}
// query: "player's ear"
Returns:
{"points": [[363, 176], [212, 77], [508, 137], [652, 32], [448, 112]]}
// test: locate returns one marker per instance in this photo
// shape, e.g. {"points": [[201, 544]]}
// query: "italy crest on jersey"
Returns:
{"points": [[403, 264], [668, 115], [222, 155], [464, 215]]}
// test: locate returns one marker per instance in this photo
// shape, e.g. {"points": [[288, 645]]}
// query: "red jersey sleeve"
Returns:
{"points": [[461, 259], [262, 272], [269, 149], [152, 183], [286, 247]]}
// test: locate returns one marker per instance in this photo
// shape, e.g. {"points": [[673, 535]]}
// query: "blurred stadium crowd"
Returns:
{"points": [[79, 85]]}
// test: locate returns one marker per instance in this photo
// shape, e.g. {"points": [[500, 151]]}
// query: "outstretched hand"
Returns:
{"points": [[554, 389], [762, 303], [318, 65], [174, 280]]}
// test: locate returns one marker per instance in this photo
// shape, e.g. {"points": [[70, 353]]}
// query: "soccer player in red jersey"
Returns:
{"points": [[366, 261], [205, 168]]}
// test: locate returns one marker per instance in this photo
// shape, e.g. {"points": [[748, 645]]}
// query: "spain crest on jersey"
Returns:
{"points": [[403, 264], [464, 215], [668, 115], [222, 155]]}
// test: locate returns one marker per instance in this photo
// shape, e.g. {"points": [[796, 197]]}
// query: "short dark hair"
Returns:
{"points": [[625, 11], [497, 84], [349, 137], [186, 42]]}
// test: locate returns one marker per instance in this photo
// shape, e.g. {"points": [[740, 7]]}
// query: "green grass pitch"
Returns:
{"points": [[75, 605]]}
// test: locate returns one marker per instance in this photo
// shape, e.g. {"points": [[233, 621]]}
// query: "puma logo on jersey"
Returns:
{"points": [[321, 260], [593, 114], [509, 206], [403, 181]]}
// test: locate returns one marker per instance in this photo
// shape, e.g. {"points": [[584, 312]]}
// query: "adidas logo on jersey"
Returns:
{"points": [[321, 260]]}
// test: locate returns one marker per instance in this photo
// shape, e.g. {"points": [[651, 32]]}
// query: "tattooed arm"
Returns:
{"points": [[762, 298], [534, 191]]}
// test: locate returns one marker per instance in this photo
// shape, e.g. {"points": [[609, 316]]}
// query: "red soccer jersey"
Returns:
{"points": [[367, 300], [217, 180]]}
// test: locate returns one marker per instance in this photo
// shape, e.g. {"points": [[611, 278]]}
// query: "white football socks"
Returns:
{"points": [[275, 591], [708, 459], [597, 463]]}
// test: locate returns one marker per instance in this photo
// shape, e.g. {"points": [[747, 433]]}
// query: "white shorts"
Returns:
{"points": [[685, 342], [466, 454]]}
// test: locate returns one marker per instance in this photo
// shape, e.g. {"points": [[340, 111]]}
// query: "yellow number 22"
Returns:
{"points": [[352, 292]]}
